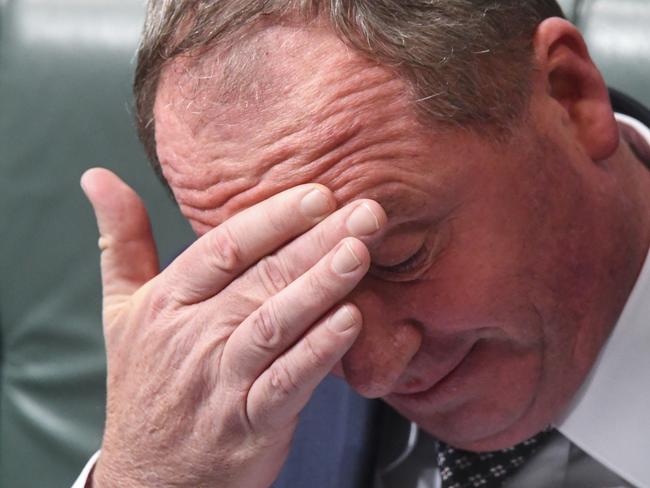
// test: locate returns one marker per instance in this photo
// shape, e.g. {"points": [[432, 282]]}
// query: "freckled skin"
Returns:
{"points": [[531, 257]]}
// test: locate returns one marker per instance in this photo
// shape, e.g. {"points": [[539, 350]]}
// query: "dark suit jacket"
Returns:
{"points": [[335, 445]]}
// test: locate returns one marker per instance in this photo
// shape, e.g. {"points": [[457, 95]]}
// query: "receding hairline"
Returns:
{"points": [[268, 71], [463, 84], [355, 98]]}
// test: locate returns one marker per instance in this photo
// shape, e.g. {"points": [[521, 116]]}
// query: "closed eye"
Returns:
{"points": [[409, 265]]}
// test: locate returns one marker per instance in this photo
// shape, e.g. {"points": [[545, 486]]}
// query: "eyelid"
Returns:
{"points": [[420, 262], [409, 264]]}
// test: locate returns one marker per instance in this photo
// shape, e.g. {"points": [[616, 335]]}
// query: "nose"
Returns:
{"points": [[380, 355]]}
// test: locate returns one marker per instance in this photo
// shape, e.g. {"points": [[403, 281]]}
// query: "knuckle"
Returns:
{"points": [[159, 303], [278, 220], [156, 299], [319, 287], [317, 354], [322, 238], [267, 328], [282, 380], [272, 275], [227, 256]]}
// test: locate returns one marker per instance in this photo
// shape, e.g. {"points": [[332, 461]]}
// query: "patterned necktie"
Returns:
{"points": [[464, 469]]}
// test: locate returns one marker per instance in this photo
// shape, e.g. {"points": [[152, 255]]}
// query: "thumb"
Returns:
{"points": [[128, 252]]}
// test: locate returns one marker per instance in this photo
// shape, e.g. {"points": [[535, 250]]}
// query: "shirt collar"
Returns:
{"points": [[609, 418]]}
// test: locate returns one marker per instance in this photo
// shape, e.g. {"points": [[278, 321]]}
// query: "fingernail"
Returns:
{"points": [[315, 204], [345, 260], [363, 222], [343, 319]]}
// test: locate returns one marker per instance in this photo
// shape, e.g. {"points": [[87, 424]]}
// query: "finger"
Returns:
{"points": [[226, 251], [362, 219], [284, 318], [128, 252], [283, 390]]}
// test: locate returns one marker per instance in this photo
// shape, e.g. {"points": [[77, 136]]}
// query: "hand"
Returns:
{"points": [[211, 360]]}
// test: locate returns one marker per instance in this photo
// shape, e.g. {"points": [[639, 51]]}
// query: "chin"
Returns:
{"points": [[477, 423], [471, 427]]}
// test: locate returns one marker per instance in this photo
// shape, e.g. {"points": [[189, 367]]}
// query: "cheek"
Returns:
{"points": [[483, 303]]}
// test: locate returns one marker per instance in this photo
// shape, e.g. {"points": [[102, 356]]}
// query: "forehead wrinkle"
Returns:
{"points": [[358, 113], [342, 141], [276, 168], [348, 121], [393, 191], [363, 90], [281, 138], [348, 181], [344, 157], [199, 167], [336, 117]]}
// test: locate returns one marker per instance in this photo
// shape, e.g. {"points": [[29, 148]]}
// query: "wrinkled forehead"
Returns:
{"points": [[307, 109]]}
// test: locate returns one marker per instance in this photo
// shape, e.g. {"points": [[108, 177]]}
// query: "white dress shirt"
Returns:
{"points": [[83, 476]]}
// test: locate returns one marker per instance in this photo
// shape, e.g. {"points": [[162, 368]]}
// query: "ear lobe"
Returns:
{"points": [[574, 82]]}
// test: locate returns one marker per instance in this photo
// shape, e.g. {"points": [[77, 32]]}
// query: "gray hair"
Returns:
{"points": [[468, 62]]}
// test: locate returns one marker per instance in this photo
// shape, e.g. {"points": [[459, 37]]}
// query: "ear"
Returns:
{"points": [[573, 81]]}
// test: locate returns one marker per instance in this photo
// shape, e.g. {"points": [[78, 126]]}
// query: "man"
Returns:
{"points": [[433, 200]]}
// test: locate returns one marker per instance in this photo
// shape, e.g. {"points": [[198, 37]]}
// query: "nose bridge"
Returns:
{"points": [[383, 350]]}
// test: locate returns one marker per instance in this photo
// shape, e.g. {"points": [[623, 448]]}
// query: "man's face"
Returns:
{"points": [[476, 308]]}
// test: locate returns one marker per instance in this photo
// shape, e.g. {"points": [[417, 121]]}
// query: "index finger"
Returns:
{"points": [[222, 254]]}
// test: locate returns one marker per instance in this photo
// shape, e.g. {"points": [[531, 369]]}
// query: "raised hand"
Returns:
{"points": [[211, 361]]}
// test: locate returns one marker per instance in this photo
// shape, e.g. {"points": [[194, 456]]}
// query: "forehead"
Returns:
{"points": [[307, 110]]}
